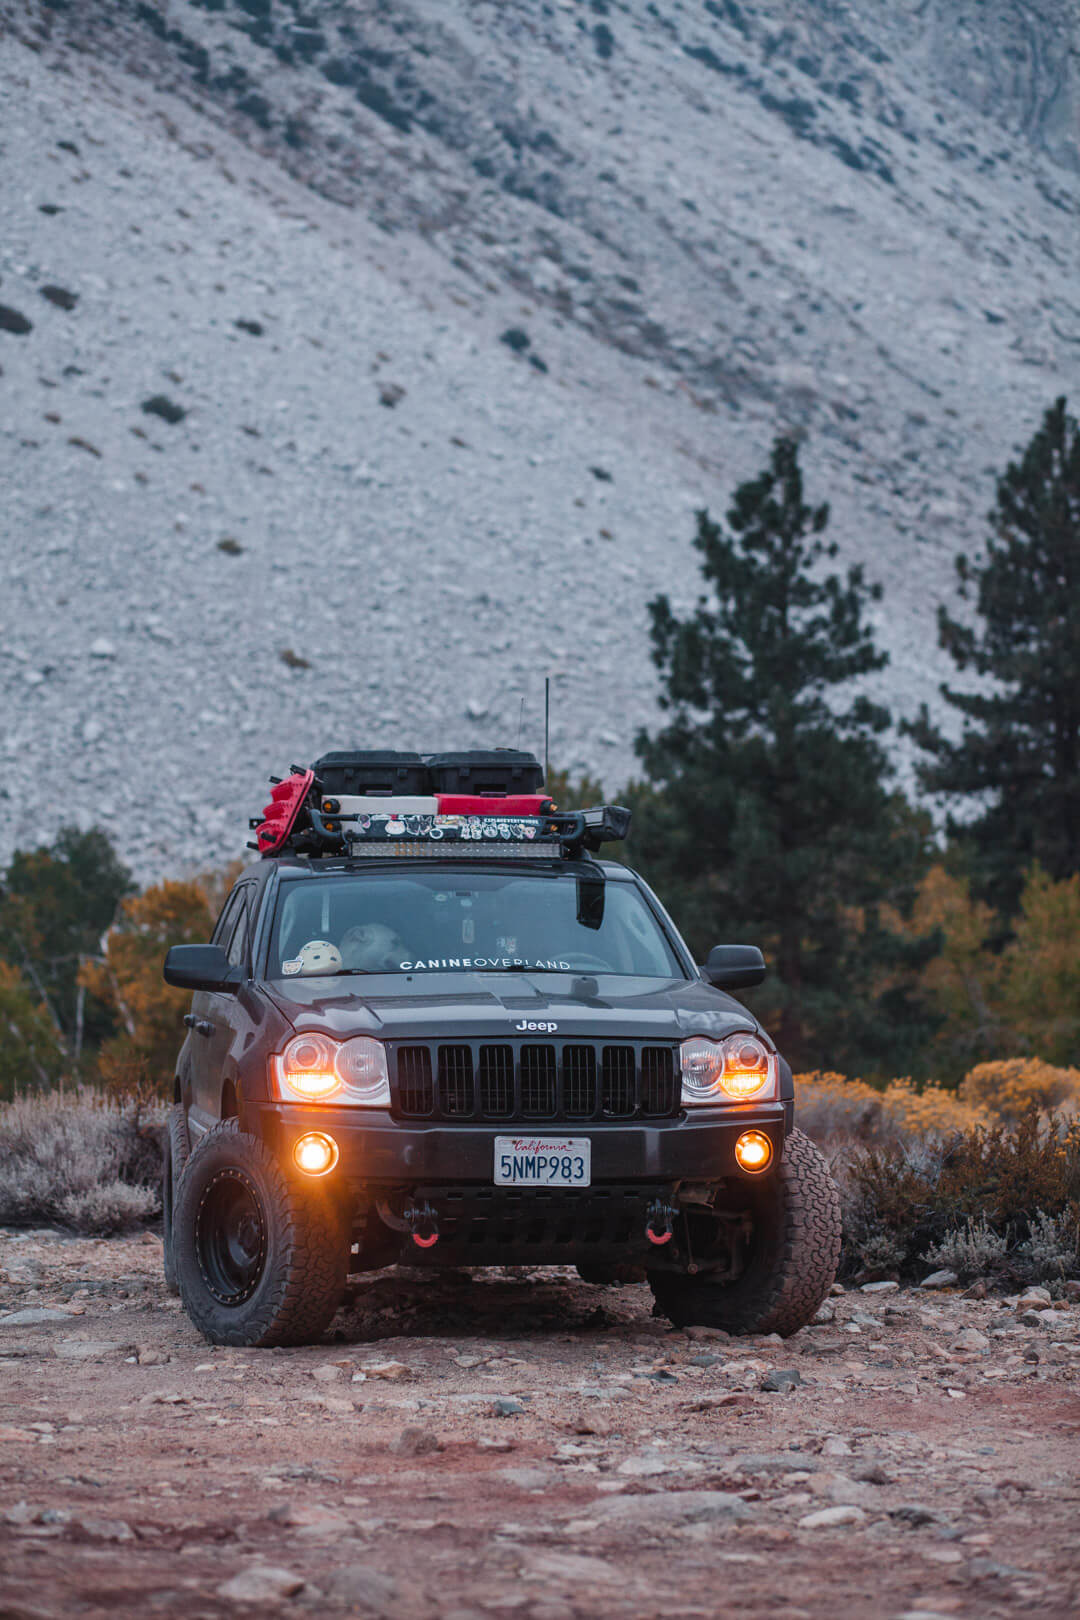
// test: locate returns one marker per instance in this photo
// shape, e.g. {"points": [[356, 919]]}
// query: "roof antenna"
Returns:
{"points": [[521, 722], [547, 726]]}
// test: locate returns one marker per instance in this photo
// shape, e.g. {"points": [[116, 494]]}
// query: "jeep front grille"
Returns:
{"points": [[579, 1081], [619, 1079], [538, 1083], [496, 1081], [530, 1080], [456, 1080], [416, 1094]]}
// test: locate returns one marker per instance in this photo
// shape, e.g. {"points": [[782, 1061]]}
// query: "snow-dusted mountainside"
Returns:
{"points": [[361, 363]]}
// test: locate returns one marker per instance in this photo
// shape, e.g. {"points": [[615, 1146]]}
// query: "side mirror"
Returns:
{"points": [[733, 967], [201, 967]]}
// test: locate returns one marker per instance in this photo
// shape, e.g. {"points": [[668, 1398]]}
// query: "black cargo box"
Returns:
{"points": [[373, 771], [498, 770]]}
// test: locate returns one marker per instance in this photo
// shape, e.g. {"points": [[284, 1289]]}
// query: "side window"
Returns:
{"points": [[224, 925], [237, 949]]}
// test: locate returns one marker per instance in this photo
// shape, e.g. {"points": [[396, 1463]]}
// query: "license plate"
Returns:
{"points": [[543, 1161]]}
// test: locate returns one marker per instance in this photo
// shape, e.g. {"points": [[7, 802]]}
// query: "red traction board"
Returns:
{"points": [[280, 814]]}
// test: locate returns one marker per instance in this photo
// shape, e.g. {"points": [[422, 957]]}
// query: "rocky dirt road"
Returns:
{"points": [[528, 1447]]}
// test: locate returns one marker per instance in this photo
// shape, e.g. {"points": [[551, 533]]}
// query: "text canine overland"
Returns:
{"points": [[482, 962]]}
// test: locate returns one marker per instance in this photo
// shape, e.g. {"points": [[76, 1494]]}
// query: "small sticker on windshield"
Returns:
{"points": [[292, 966]]}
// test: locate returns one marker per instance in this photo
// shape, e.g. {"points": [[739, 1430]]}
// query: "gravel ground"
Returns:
{"points": [[524, 1444]]}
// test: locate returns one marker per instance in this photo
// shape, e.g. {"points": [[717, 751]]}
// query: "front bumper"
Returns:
{"points": [[380, 1151]]}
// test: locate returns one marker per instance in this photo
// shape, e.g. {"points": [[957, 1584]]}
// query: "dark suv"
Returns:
{"points": [[469, 1048]]}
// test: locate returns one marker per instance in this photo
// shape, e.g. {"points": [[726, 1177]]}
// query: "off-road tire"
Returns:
{"points": [[303, 1245], [175, 1154], [792, 1262]]}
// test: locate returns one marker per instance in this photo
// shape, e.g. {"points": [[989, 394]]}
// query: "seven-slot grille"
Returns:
{"points": [[534, 1080]]}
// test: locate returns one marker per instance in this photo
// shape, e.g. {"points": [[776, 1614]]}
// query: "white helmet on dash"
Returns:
{"points": [[319, 956]]}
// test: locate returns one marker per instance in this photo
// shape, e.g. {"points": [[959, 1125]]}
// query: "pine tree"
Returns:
{"points": [[55, 904], [774, 821], [1019, 753]]}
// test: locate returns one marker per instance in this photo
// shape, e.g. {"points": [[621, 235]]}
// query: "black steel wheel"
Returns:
{"points": [[261, 1253], [230, 1236]]}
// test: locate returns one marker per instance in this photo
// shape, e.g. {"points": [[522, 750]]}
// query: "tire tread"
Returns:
{"points": [[310, 1278], [785, 1296]]}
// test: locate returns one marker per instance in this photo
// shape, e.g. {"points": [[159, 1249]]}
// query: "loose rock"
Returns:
{"points": [[940, 1279], [416, 1442], [831, 1518], [781, 1381], [262, 1583], [971, 1339], [361, 1585], [676, 1507]]}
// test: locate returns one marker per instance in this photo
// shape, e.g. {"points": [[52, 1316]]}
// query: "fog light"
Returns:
{"points": [[753, 1151], [315, 1154]]}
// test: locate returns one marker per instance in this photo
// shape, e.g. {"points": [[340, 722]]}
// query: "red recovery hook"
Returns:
{"points": [[423, 1225], [660, 1223]]}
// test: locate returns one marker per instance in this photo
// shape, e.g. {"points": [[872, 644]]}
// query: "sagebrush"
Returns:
{"points": [[995, 1201], [1007, 1088], [80, 1161], [830, 1105], [973, 1250]]}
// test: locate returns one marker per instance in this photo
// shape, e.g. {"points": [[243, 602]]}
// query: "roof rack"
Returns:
{"points": [[302, 818]]}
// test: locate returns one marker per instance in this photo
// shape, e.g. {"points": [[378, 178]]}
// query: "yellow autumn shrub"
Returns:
{"points": [[933, 1110], [1006, 1088], [831, 1105]]}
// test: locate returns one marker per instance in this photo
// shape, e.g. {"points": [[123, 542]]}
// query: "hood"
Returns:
{"points": [[489, 1006]]}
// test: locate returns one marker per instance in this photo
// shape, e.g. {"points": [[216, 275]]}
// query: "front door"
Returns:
{"points": [[213, 1016]]}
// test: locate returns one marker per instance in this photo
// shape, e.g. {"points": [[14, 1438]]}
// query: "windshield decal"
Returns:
{"points": [[474, 962]]}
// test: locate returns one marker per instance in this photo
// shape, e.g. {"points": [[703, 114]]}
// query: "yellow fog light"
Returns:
{"points": [[753, 1151], [315, 1154]]}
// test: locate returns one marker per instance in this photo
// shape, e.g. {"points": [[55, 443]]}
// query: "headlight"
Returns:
{"points": [[739, 1068], [307, 1069], [314, 1068], [361, 1063]]}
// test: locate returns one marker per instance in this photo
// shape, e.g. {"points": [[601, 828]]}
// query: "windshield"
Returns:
{"points": [[438, 922]]}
